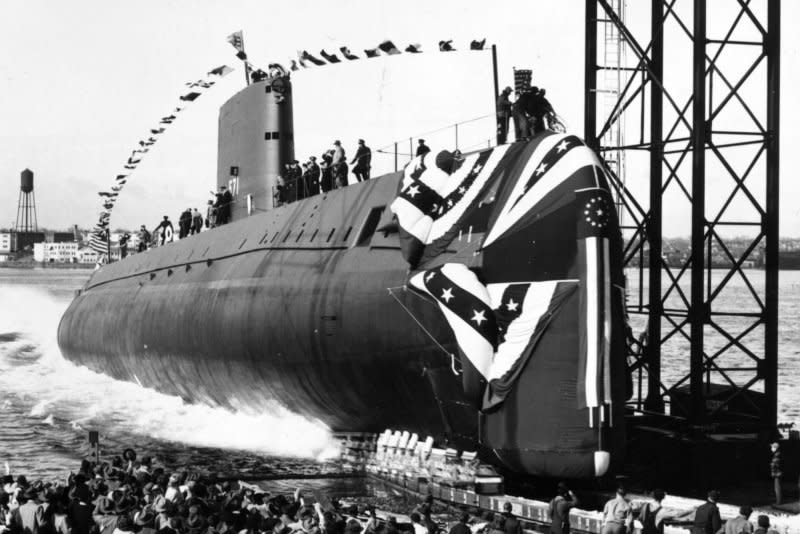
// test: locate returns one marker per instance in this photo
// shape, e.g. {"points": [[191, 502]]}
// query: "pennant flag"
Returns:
{"points": [[116, 188], [129, 167], [477, 45], [241, 55], [121, 178], [222, 70], [446, 46], [389, 48], [294, 66], [134, 161], [330, 58], [300, 59], [347, 54], [315, 60], [372, 52], [189, 97], [236, 40], [106, 194], [466, 305], [414, 48], [157, 131]]}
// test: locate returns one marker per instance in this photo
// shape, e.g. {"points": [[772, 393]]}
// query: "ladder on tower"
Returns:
{"points": [[613, 80]]}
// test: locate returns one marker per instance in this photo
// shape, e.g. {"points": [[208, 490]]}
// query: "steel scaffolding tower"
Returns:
{"points": [[707, 142]]}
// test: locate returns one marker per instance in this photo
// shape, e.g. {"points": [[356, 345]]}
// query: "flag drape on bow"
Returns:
{"points": [[523, 201], [465, 303]]}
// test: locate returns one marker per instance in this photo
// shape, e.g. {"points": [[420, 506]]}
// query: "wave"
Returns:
{"points": [[40, 384]]}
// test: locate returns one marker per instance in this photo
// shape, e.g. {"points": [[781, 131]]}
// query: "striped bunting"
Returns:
{"points": [[555, 160], [466, 305], [431, 201]]}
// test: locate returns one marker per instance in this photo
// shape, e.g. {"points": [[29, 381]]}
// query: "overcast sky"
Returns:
{"points": [[82, 81]]}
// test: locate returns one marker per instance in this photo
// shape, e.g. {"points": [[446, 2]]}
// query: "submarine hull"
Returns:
{"points": [[278, 306]]}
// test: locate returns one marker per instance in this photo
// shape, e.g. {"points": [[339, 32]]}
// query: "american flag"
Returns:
{"points": [[98, 241]]}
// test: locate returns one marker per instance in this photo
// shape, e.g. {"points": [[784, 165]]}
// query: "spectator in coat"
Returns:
{"points": [[706, 518], [560, 506]]}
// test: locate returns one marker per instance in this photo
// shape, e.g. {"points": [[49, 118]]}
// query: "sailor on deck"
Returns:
{"points": [[339, 165], [362, 160]]}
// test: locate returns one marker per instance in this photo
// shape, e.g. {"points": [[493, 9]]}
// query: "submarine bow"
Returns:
{"points": [[538, 311]]}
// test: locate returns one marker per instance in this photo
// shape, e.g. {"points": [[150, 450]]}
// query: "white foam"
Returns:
{"points": [[55, 387]]}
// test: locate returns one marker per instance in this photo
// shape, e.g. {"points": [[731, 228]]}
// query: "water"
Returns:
{"points": [[734, 295], [47, 404]]}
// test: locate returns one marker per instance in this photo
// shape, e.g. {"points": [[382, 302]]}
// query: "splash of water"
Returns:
{"points": [[51, 389]]}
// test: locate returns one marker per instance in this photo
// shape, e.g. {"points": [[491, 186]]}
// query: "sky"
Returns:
{"points": [[82, 81]]}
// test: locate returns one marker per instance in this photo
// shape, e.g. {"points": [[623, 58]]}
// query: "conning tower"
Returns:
{"points": [[256, 141]]}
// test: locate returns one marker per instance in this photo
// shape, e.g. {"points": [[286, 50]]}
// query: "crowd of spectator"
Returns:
{"points": [[129, 496]]}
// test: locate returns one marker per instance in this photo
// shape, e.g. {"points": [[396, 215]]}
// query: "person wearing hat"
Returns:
{"points": [[313, 176], [144, 521], [226, 205], [462, 526], [124, 525], [776, 472], [503, 115], [79, 510], [617, 513], [363, 161], [161, 509], [211, 214], [339, 165], [416, 522], [560, 506], [29, 515], [295, 176], [195, 523], [105, 516], [512, 524], [326, 172], [422, 148], [171, 494]]}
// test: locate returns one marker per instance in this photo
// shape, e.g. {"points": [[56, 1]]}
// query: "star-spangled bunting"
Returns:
{"points": [[553, 213]]}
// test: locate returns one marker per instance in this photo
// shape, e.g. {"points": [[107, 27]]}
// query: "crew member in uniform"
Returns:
{"points": [[422, 148], [313, 176], [362, 161]]}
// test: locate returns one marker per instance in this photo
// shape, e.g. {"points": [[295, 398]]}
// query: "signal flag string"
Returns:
{"points": [[307, 60], [99, 237]]}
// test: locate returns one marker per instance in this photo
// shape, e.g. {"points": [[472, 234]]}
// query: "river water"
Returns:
{"points": [[48, 404]]}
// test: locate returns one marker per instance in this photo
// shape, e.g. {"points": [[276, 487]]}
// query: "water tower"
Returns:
{"points": [[26, 208]]}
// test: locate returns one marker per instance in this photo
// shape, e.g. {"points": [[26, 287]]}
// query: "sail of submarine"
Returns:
{"points": [[324, 304]]}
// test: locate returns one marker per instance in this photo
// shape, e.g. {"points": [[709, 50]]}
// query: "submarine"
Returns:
{"points": [[477, 298]]}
